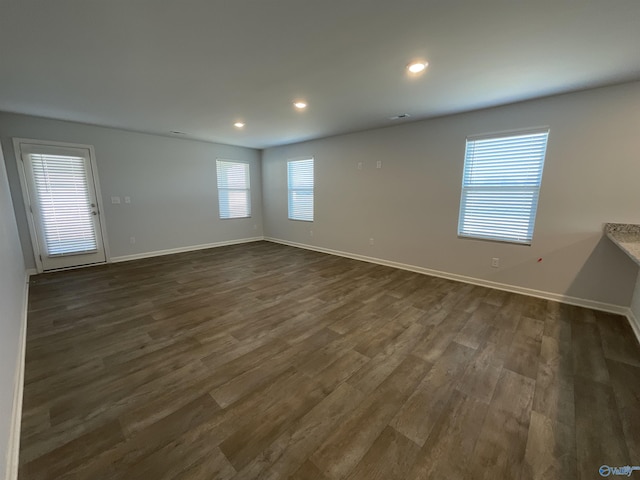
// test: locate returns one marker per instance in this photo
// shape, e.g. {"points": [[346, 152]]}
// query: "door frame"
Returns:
{"points": [[17, 150]]}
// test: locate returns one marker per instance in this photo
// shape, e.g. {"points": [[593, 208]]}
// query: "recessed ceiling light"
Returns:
{"points": [[417, 67], [176, 132], [400, 116], [300, 105], [239, 124]]}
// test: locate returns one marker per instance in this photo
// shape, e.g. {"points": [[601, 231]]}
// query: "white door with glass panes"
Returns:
{"points": [[61, 198]]}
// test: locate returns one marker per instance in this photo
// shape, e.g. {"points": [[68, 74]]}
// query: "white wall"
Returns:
{"points": [[171, 182], [12, 306], [410, 206]]}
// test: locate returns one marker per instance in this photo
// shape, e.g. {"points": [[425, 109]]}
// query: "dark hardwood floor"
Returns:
{"points": [[261, 361]]}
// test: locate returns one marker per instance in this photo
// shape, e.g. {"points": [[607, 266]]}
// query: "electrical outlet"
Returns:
{"points": [[115, 200], [311, 233], [132, 240], [127, 199], [359, 165], [371, 241], [379, 164], [495, 262]]}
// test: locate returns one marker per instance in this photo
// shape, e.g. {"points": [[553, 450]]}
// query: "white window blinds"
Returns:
{"points": [[64, 201], [234, 197], [500, 186], [300, 188]]}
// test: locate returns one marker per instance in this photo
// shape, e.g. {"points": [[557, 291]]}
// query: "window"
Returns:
{"points": [[62, 188], [234, 197], [300, 183], [500, 186]]}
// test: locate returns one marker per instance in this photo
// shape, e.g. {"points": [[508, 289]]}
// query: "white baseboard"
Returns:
{"points": [[31, 271], [634, 322], [580, 302], [158, 253], [16, 417]]}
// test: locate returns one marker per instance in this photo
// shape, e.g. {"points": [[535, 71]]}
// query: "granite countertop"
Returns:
{"points": [[626, 236]]}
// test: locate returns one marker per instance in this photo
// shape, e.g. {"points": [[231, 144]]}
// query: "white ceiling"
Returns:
{"points": [[199, 66]]}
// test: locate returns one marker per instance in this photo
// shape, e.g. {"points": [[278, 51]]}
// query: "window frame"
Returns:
{"points": [[291, 190], [516, 186], [221, 189]]}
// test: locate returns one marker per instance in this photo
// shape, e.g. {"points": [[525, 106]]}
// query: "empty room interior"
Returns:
{"points": [[319, 240]]}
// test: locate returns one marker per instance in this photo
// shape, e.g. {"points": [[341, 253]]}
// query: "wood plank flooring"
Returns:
{"points": [[262, 361]]}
